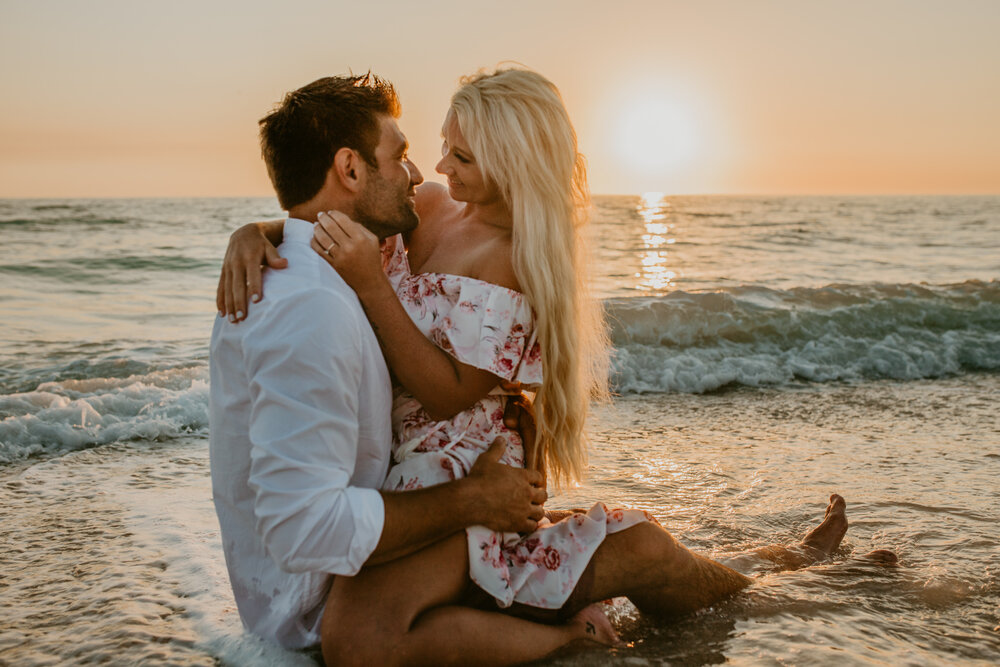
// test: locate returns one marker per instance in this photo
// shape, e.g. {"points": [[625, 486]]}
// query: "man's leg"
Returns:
{"points": [[406, 612]]}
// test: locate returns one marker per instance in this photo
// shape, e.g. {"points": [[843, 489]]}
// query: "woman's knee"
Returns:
{"points": [[649, 545]]}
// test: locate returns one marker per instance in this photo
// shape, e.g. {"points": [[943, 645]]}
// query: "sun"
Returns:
{"points": [[657, 133]]}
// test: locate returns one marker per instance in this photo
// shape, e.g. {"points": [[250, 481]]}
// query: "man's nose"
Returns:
{"points": [[416, 178]]}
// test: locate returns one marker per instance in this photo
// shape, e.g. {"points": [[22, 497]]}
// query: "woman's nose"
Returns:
{"points": [[442, 167]]}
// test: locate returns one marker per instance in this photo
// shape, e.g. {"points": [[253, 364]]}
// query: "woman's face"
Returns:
{"points": [[465, 181]]}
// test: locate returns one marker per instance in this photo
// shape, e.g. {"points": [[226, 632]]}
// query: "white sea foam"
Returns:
{"points": [[697, 342], [641, 368], [73, 414]]}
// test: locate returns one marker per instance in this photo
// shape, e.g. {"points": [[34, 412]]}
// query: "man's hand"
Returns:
{"points": [[248, 249], [509, 500], [495, 495]]}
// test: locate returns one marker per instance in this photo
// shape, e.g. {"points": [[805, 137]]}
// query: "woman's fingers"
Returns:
{"points": [[349, 248], [230, 309], [249, 250], [323, 238], [238, 288], [329, 232], [321, 250], [220, 294], [333, 223], [255, 272], [253, 281], [348, 227], [273, 259]]}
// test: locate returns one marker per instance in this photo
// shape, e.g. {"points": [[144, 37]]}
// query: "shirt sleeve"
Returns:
{"points": [[304, 365]]}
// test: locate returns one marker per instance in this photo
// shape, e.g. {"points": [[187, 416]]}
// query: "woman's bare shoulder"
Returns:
{"points": [[429, 196], [496, 265]]}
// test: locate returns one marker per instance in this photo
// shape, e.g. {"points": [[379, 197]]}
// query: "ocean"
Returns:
{"points": [[768, 351]]}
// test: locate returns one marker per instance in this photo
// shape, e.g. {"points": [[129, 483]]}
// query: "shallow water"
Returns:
{"points": [[741, 469], [768, 352], [112, 552]]}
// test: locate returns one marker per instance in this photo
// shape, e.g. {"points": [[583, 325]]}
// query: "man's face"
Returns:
{"points": [[386, 205]]}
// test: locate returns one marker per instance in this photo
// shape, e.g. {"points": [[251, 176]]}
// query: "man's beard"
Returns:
{"points": [[384, 212]]}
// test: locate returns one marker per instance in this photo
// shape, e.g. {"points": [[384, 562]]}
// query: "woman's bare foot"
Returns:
{"points": [[591, 623], [826, 537], [817, 545]]}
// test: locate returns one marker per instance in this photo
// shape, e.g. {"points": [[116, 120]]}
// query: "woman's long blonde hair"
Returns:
{"points": [[522, 138]]}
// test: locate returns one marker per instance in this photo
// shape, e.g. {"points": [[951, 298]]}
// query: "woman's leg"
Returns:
{"points": [[407, 612], [646, 564], [658, 574]]}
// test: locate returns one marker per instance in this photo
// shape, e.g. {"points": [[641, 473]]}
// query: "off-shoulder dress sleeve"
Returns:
{"points": [[479, 323], [492, 328]]}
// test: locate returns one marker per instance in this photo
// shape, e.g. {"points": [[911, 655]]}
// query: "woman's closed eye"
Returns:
{"points": [[458, 156]]}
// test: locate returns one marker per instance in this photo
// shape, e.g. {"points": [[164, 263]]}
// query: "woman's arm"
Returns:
{"points": [[250, 247], [442, 384]]}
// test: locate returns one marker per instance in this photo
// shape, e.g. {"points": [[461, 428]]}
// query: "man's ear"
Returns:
{"points": [[349, 169]]}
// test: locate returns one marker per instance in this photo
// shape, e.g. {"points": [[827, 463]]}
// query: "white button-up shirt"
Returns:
{"points": [[300, 439]]}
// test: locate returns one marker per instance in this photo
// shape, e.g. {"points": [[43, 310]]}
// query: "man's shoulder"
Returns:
{"points": [[300, 303], [306, 280]]}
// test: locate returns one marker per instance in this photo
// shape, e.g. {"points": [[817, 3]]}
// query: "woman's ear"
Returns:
{"points": [[349, 169]]}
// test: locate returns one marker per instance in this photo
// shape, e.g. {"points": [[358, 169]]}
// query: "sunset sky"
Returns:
{"points": [[141, 98]]}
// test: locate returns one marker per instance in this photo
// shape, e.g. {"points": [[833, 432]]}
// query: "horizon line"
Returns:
{"points": [[593, 194]]}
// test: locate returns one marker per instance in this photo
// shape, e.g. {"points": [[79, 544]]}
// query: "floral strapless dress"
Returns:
{"points": [[492, 328]]}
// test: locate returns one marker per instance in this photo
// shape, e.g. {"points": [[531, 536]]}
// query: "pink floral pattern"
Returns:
{"points": [[489, 327]]}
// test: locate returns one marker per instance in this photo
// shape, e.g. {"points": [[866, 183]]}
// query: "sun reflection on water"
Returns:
{"points": [[654, 274]]}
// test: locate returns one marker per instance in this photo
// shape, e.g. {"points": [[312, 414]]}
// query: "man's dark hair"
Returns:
{"points": [[300, 137]]}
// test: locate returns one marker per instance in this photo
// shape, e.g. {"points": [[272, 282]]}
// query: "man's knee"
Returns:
{"points": [[345, 644], [345, 629]]}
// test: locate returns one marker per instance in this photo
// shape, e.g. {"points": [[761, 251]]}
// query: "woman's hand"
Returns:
{"points": [[519, 415], [351, 249], [248, 249]]}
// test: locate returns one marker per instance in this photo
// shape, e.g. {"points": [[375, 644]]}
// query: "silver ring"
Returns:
{"points": [[332, 243]]}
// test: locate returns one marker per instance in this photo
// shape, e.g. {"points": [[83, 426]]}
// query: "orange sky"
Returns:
{"points": [[123, 98]]}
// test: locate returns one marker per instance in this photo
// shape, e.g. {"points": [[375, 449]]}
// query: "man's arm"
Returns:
{"points": [[494, 495], [304, 434]]}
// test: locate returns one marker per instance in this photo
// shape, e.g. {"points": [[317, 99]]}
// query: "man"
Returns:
{"points": [[300, 395]]}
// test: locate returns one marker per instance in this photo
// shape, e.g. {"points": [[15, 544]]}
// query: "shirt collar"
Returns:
{"points": [[299, 231]]}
